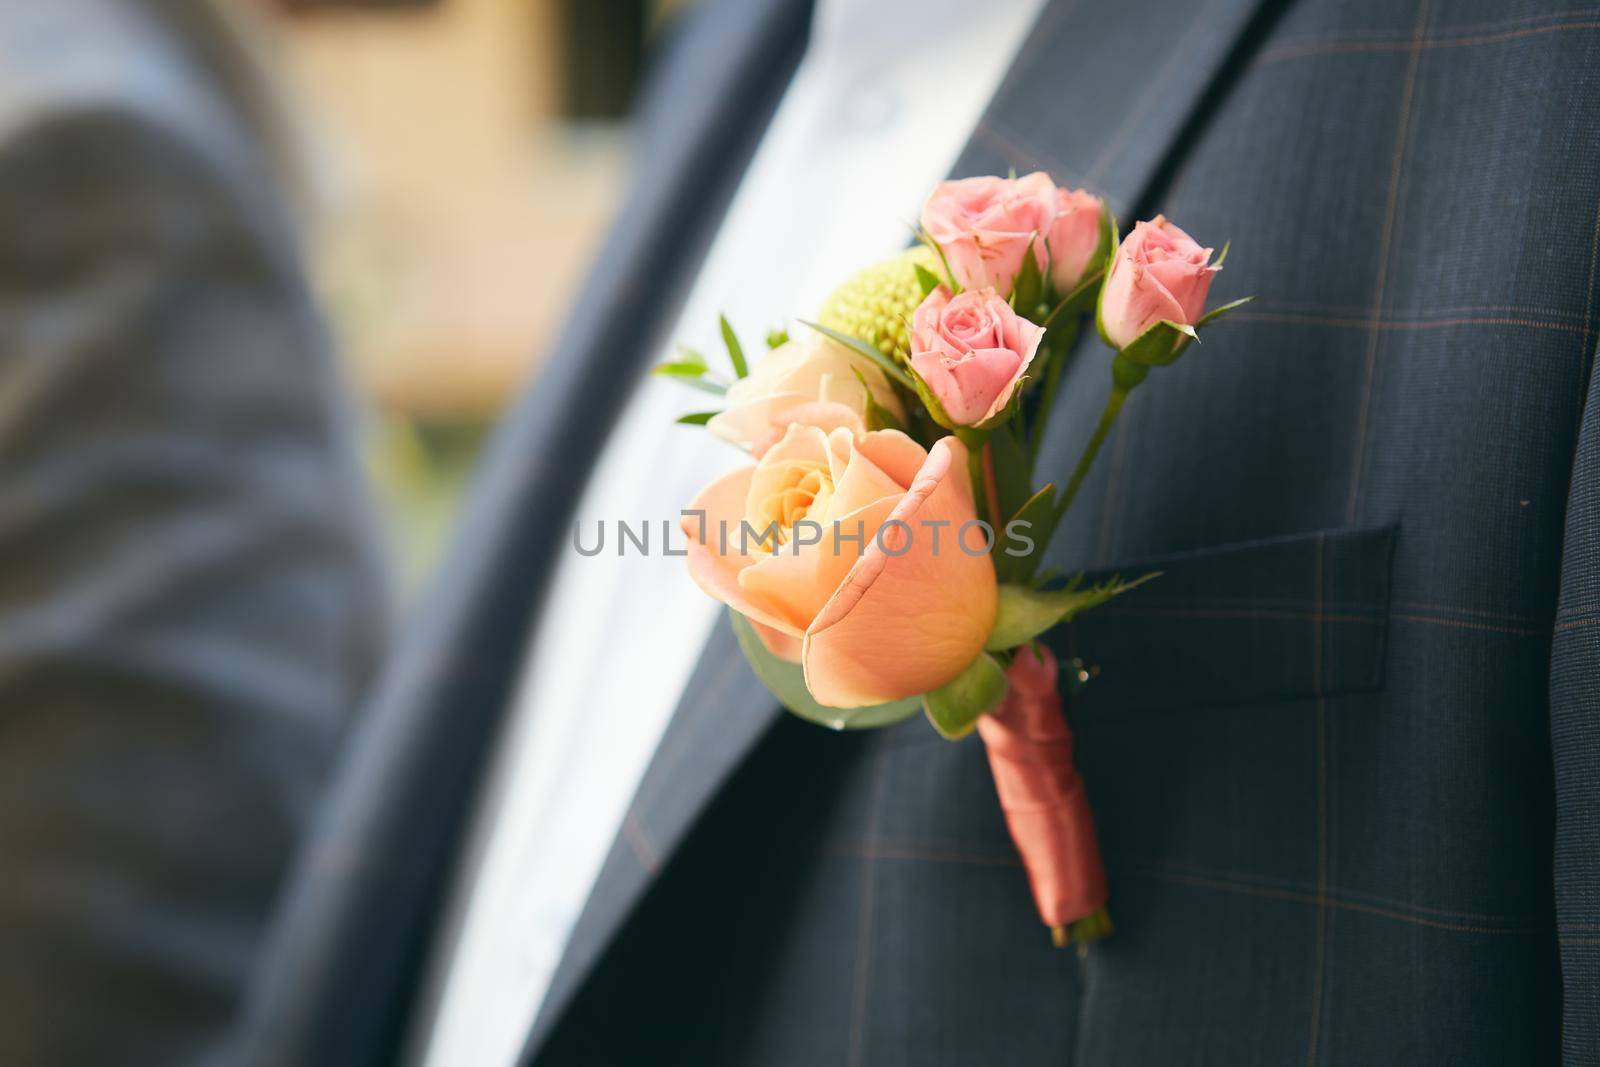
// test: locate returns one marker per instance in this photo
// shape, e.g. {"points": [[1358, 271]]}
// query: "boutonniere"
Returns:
{"points": [[880, 554]]}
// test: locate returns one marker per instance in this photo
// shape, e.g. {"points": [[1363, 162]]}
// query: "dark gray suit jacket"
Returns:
{"points": [[189, 602], [1344, 754]]}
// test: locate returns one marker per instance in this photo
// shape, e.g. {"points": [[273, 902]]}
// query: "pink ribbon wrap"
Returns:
{"points": [[1045, 805]]}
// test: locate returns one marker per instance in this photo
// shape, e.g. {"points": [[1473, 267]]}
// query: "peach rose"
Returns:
{"points": [[972, 350], [984, 227], [811, 379], [870, 587], [1159, 273], [1074, 234]]}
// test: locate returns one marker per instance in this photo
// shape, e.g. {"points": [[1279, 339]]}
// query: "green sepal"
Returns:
{"points": [[1025, 613], [926, 279], [935, 409], [1160, 345], [856, 344], [1027, 289], [1163, 342], [1013, 405], [1218, 312], [955, 707], [730, 340], [878, 416], [949, 275], [1105, 275], [787, 682], [697, 418], [1109, 239], [777, 338], [1108, 235]]}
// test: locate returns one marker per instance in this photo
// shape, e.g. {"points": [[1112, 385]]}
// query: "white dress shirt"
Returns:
{"points": [[881, 105]]}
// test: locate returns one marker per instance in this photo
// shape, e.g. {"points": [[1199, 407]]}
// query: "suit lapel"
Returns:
{"points": [[723, 714], [1066, 106]]}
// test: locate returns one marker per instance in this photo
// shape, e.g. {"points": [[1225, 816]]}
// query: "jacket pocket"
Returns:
{"points": [[1281, 619]]}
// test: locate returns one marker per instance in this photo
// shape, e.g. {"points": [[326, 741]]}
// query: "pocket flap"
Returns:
{"points": [[1272, 620]]}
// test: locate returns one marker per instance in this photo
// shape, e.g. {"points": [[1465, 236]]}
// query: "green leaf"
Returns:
{"points": [[777, 338], [878, 416], [1039, 513], [887, 365], [1080, 299], [698, 418], [690, 369], [954, 708], [787, 682], [679, 369], [741, 369], [928, 280], [1011, 475], [1025, 613], [705, 385]]}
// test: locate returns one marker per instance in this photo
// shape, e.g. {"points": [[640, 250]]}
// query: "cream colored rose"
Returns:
{"points": [[810, 379]]}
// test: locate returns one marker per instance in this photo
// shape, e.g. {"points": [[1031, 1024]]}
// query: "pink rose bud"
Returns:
{"points": [[1159, 273], [985, 225], [972, 351], [1074, 236]]}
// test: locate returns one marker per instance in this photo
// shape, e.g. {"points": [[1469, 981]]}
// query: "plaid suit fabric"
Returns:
{"points": [[1575, 740], [1320, 748], [191, 598]]}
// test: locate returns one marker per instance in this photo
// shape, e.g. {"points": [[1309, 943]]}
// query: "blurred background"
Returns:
{"points": [[469, 155]]}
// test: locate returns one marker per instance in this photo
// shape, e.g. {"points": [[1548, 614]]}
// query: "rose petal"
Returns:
{"points": [[1132, 301], [798, 579], [896, 455], [716, 572], [825, 415], [903, 625], [777, 642], [862, 482], [968, 387]]}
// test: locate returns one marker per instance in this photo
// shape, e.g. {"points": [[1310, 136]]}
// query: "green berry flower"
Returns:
{"points": [[876, 303]]}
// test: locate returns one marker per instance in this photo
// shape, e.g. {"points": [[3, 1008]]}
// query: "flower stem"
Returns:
{"points": [[991, 492], [1052, 382], [1108, 418]]}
